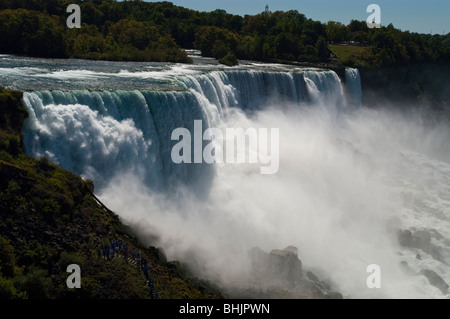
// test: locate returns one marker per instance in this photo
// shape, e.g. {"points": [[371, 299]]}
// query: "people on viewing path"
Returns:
{"points": [[119, 249], [115, 248]]}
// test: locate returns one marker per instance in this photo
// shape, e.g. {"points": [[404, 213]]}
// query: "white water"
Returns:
{"points": [[353, 84], [347, 175]]}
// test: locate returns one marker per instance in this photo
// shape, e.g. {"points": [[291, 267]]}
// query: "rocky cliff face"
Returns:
{"points": [[280, 274]]}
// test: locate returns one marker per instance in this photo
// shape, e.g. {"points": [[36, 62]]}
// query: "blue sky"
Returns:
{"points": [[414, 15]]}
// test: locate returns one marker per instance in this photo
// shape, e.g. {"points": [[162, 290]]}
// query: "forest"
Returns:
{"points": [[159, 31]]}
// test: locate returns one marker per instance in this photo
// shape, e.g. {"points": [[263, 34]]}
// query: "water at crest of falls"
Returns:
{"points": [[100, 132], [349, 176]]}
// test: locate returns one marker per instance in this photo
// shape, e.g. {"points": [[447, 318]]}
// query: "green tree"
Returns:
{"points": [[337, 32], [215, 42], [7, 259], [322, 49]]}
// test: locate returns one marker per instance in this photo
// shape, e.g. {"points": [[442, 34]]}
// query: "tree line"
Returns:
{"points": [[142, 31]]}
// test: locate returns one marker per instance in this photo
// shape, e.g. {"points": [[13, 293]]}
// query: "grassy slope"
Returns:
{"points": [[49, 219], [352, 55]]}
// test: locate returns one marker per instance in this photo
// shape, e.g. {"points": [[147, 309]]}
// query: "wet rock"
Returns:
{"points": [[435, 280], [334, 295], [326, 284], [280, 274], [418, 257], [282, 265], [286, 265], [405, 238], [311, 276], [292, 249], [420, 239]]}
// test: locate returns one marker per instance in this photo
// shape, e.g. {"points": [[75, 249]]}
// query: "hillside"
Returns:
{"points": [[49, 219]]}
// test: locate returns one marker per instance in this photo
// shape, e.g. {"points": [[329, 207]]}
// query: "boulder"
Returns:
{"points": [[280, 264], [435, 280], [292, 249], [405, 238], [334, 295], [279, 274], [286, 265], [420, 239], [311, 276], [281, 253]]}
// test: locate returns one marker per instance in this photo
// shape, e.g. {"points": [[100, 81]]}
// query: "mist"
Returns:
{"points": [[337, 197]]}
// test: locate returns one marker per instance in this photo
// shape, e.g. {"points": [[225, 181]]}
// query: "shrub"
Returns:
{"points": [[6, 258], [5, 156], [36, 284], [7, 289], [230, 59], [67, 259]]}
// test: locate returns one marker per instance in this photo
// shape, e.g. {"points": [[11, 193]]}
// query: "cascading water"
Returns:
{"points": [[130, 131], [353, 85], [349, 176], [110, 132]]}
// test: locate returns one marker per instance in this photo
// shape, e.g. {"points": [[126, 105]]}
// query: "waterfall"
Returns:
{"points": [[353, 87], [98, 134]]}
